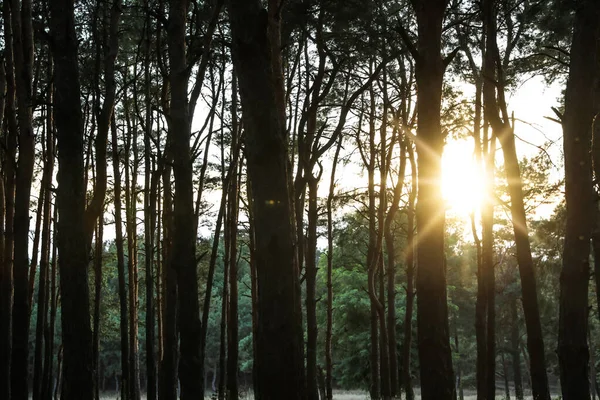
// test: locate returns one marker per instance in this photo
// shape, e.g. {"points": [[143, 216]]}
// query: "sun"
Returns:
{"points": [[463, 185]]}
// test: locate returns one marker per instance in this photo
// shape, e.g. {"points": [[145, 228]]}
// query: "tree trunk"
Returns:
{"points": [[311, 288], [573, 353], [70, 201], [391, 272], [437, 376], [372, 256], [211, 270], [168, 366], [256, 59], [505, 373], [42, 299], [130, 139], [183, 254], [410, 277], [33, 265], [223, 328], [495, 105], [6, 204], [150, 196], [459, 384], [516, 350], [232, 216], [329, 329], [123, 316], [593, 382], [22, 48], [49, 339], [99, 248], [487, 263]]}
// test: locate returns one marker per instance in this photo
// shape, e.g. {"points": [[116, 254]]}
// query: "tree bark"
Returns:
{"points": [[410, 277], [99, 248], [183, 255], [493, 94], [437, 376], [22, 48], [150, 200], [42, 300], [8, 161], [70, 201], [329, 329], [256, 58], [573, 352], [232, 215]]}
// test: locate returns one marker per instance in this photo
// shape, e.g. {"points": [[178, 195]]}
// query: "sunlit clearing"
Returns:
{"points": [[462, 182]]}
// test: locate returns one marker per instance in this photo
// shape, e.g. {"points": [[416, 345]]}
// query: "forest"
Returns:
{"points": [[300, 199]]}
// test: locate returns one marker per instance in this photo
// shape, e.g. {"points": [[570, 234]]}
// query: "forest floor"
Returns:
{"points": [[345, 395]]}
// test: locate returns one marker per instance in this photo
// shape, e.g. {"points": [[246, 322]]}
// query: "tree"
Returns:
{"points": [[573, 353], [70, 202], [437, 376], [497, 117], [256, 59], [183, 254]]}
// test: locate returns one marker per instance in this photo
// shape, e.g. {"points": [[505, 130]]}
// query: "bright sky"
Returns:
{"points": [[531, 102], [461, 180]]}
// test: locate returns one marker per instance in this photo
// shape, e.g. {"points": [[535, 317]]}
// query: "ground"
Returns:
{"points": [[349, 395]]}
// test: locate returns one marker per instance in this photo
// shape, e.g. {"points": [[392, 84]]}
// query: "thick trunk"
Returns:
{"points": [[279, 358], [437, 376], [22, 48], [6, 201], [183, 255], [70, 201], [573, 353]]}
